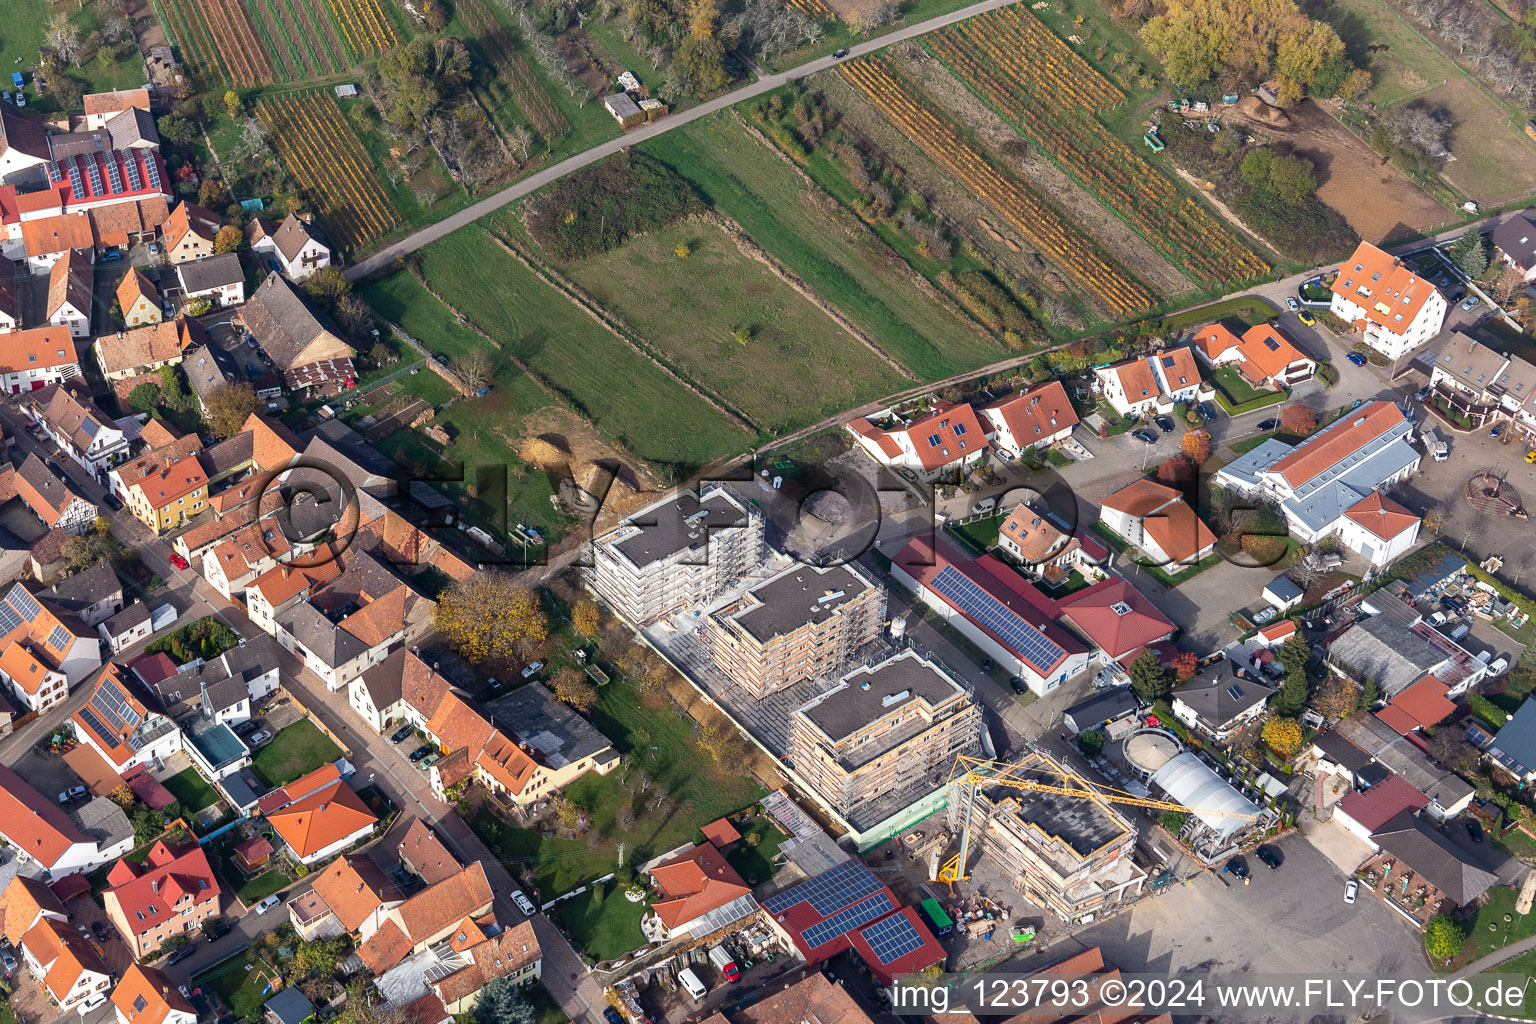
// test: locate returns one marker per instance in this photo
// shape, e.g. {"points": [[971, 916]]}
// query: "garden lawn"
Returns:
{"points": [[1249, 311], [755, 187], [755, 863], [684, 796], [295, 751], [653, 415], [1487, 930], [980, 534], [606, 930], [262, 886], [795, 366], [191, 791], [1238, 391], [239, 982]]}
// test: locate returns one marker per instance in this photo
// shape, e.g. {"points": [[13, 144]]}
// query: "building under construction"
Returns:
{"points": [[1068, 852]]}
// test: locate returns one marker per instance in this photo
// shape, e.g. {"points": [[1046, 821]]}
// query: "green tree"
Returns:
{"points": [[232, 104], [1470, 253], [1255, 166], [500, 1002], [1149, 679], [1293, 179], [1090, 742], [173, 389], [1173, 821], [1443, 937], [229, 406], [228, 239], [1294, 654], [144, 398], [1370, 693], [1291, 698]]}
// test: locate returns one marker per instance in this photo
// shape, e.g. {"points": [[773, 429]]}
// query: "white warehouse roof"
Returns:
{"points": [[1188, 781]]}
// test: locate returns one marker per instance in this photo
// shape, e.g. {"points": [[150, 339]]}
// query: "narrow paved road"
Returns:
{"points": [[767, 83]]}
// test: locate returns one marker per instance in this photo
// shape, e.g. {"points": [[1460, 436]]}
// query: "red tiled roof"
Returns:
{"points": [[149, 899], [722, 833], [353, 887], [950, 433], [1338, 441], [1116, 617], [692, 884], [1394, 293], [22, 902], [1381, 515], [1136, 380], [385, 948], [147, 996], [1383, 802], [1036, 413], [321, 819], [1175, 527], [40, 348], [1422, 704], [1278, 630], [33, 823]]}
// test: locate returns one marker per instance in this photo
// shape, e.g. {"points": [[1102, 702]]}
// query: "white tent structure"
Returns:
{"points": [[1189, 781]]}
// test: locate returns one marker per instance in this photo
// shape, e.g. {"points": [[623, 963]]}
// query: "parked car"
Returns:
{"points": [[1269, 425], [401, 733], [1207, 411], [98, 931], [268, 903], [111, 256], [1351, 890], [246, 727], [839, 54], [112, 502], [1292, 305], [611, 1016], [154, 248], [71, 794], [1471, 302], [1356, 358], [1238, 867], [179, 562], [986, 664], [420, 752], [258, 738], [1474, 830], [1164, 423], [187, 950], [983, 506], [218, 931], [1307, 318], [1497, 431], [1531, 457], [429, 761], [1018, 685], [1144, 435], [1499, 665], [524, 903], [8, 960], [1271, 857], [1421, 394]]}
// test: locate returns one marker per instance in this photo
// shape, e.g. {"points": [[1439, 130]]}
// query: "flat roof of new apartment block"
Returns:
{"points": [[1081, 822], [680, 523], [891, 686], [799, 596]]}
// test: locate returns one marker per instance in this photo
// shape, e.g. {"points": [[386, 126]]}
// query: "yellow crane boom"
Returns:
{"points": [[971, 772]]}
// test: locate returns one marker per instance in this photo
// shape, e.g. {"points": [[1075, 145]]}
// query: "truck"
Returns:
{"points": [[1439, 450], [937, 919], [724, 963]]}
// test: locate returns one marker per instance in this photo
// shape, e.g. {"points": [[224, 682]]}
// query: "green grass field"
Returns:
{"points": [[191, 791], [239, 983], [754, 187], [625, 394], [606, 930], [294, 751], [797, 365]]}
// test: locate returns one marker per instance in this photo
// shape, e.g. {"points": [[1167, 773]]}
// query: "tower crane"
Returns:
{"points": [[971, 772]]}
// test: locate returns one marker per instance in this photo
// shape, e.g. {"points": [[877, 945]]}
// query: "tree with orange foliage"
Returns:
{"points": [[1298, 419], [1176, 471], [1196, 446], [1185, 665]]}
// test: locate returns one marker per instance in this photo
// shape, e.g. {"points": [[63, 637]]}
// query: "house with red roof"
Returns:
{"points": [[172, 893], [39, 832], [323, 823], [996, 609], [944, 439], [1365, 811], [698, 892], [72, 973], [1421, 706], [1117, 619], [1152, 383], [1394, 309], [1330, 484], [147, 996], [1159, 523], [1265, 357], [1036, 417]]}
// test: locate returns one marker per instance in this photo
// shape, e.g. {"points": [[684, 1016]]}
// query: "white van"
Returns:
{"points": [[983, 506], [691, 983], [1460, 631]]}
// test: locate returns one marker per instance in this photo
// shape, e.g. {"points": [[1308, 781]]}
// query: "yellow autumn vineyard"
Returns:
{"points": [[1077, 253], [1035, 80], [322, 153], [366, 27]]}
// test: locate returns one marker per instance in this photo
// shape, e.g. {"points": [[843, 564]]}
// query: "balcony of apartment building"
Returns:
{"points": [[1461, 407]]}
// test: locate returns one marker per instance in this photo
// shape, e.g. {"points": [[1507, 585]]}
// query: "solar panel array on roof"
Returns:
{"points": [[114, 175], [92, 169], [892, 938], [76, 182], [9, 620], [113, 705], [845, 921], [829, 891], [135, 182], [59, 638], [152, 170], [22, 601], [94, 722], [998, 618], [55, 172], [1235, 692]]}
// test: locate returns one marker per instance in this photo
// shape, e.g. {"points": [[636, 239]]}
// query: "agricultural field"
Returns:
{"points": [[1078, 254], [1030, 75], [217, 37], [733, 327], [846, 263], [365, 25], [514, 80], [650, 413], [324, 156], [259, 42]]}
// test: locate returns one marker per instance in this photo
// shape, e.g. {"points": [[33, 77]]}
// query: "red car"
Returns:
{"points": [[178, 561]]}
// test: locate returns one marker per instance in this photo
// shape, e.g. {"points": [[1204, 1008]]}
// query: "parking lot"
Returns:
{"points": [[1293, 919]]}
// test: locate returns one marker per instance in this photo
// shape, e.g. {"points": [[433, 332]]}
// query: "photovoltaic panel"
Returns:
{"points": [[892, 938], [76, 182], [94, 722], [9, 620], [92, 169], [845, 921], [114, 176], [55, 172], [1002, 621], [22, 601], [829, 891], [152, 171], [114, 706], [135, 182], [59, 638]]}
